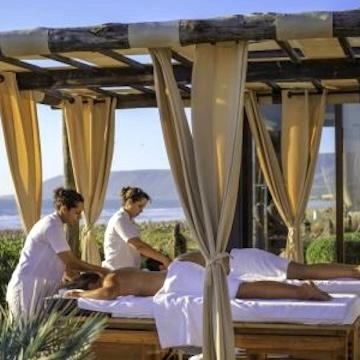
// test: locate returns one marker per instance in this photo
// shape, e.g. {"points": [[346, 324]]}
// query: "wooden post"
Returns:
{"points": [[241, 231], [72, 231], [339, 178]]}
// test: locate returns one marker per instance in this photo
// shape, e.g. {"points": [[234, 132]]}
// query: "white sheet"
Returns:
{"points": [[124, 306], [179, 319]]}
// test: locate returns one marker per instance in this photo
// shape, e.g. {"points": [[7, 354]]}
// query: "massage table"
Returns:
{"points": [[323, 330]]}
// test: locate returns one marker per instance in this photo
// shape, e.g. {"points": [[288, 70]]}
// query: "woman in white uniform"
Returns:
{"points": [[122, 244], [45, 256]]}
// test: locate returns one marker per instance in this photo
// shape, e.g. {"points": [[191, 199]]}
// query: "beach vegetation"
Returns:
{"points": [[49, 334], [323, 249]]}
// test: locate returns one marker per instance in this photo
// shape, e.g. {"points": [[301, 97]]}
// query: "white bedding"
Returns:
{"points": [[178, 316], [179, 319], [124, 306]]}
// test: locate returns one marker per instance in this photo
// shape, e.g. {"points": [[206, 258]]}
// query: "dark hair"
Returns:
{"points": [[68, 197], [133, 193], [83, 281]]}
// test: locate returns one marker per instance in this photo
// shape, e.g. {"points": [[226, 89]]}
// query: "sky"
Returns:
{"points": [[144, 147]]}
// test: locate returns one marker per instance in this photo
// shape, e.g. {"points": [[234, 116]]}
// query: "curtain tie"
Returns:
{"points": [[221, 259]]}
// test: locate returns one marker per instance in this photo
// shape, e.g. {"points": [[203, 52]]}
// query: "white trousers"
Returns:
{"points": [[26, 295]]}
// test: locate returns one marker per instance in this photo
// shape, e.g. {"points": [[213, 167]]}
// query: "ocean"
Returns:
{"points": [[157, 211]]}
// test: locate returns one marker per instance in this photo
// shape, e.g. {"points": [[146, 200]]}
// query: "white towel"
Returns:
{"points": [[123, 306], [254, 264], [178, 304]]}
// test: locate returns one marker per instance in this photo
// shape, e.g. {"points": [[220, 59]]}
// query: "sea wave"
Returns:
{"points": [[150, 214]]}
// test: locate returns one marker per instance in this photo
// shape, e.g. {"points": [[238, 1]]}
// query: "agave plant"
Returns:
{"points": [[49, 334]]}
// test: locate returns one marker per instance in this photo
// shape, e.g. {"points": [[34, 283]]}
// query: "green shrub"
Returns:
{"points": [[55, 334], [323, 249], [157, 234], [11, 243]]}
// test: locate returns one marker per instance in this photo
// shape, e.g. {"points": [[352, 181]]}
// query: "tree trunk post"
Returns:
{"points": [[72, 231]]}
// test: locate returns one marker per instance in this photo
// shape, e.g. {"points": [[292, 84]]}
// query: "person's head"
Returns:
{"points": [[86, 281], [134, 200], [69, 204]]}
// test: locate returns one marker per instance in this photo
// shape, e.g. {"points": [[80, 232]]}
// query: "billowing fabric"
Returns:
{"points": [[90, 127], [206, 167], [21, 137], [290, 184]]}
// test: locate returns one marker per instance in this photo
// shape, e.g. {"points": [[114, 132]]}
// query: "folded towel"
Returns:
{"points": [[178, 304], [254, 264]]}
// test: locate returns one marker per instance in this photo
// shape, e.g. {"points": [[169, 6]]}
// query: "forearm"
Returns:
{"points": [[73, 263], [147, 251], [84, 266], [97, 294]]}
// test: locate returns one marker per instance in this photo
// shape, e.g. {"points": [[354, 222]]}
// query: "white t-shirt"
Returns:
{"points": [[39, 271], [38, 257], [118, 253]]}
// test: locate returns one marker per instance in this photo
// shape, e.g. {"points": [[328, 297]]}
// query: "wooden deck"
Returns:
{"points": [[136, 339]]}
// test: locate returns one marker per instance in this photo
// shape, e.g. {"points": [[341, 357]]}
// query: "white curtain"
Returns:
{"points": [[290, 184], [22, 142], [206, 167], [90, 127]]}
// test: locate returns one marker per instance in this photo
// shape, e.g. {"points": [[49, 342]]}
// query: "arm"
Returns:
{"points": [[108, 291], [72, 262], [278, 290], [70, 274], [146, 250]]}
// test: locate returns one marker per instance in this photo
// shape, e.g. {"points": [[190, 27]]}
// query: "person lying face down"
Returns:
{"points": [[252, 263], [132, 281]]}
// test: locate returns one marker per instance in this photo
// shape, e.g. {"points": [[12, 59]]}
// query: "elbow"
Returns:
{"points": [[137, 244], [110, 294]]}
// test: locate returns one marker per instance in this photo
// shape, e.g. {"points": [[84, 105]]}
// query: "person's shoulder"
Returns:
{"points": [[45, 223], [119, 214]]}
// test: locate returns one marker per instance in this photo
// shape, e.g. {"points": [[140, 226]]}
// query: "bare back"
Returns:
{"points": [[131, 281]]}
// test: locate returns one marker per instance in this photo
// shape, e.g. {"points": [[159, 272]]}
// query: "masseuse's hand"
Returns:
{"points": [[70, 294], [165, 263], [70, 275]]}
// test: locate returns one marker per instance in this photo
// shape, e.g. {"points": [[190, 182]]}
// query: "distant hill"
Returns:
{"points": [[159, 184]]}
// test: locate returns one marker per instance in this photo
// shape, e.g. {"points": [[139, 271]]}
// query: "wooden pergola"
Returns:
{"points": [[113, 60], [109, 60], [296, 52]]}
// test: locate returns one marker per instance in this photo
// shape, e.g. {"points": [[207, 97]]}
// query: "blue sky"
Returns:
{"points": [[138, 143]]}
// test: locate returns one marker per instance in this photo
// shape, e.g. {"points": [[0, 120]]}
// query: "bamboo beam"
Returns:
{"points": [[182, 32], [348, 51], [294, 57], [233, 28], [121, 58], [284, 71]]}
